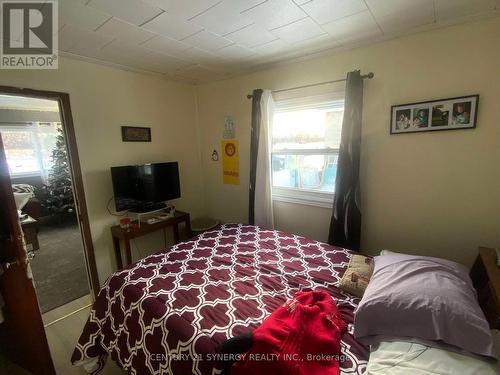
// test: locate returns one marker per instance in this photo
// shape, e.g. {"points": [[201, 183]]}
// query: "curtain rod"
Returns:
{"points": [[369, 76]]}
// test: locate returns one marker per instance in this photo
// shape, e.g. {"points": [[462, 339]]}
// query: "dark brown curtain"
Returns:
{"points": [[345, 225], [254, 148]]}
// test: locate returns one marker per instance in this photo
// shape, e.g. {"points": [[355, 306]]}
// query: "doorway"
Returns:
{"points": [[45, 176], [37, 157]]}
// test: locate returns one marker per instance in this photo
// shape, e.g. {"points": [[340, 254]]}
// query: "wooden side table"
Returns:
{"points": [[485, 275], [30, 230], [125, 235]]}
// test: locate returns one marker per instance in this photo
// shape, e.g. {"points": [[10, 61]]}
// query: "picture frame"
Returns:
{"points": [[136, 134], [434, 115]]}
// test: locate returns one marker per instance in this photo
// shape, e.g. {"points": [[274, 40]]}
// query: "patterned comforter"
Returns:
{"points": [[168, 313]]}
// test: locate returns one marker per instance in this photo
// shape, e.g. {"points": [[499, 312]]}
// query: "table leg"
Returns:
{"points": [[128, 251], [118, 253], [189, 232], [176, 233], [36, 244]]}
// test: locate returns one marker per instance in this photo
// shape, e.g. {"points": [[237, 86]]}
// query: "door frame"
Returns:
{"points": [[76, 172]]}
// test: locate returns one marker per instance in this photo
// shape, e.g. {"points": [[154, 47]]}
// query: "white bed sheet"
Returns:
{"points": [[400, 357]]}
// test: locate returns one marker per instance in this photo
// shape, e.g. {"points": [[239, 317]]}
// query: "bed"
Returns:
{"points": [[168, 313]]}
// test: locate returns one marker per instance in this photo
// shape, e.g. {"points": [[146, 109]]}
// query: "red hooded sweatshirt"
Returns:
{"points": [[302, 337]]}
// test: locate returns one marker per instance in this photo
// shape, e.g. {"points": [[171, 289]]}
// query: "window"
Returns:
{"points": [[28, 147], [305, 144]]}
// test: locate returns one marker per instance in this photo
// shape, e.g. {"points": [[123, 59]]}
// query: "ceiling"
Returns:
{"points": [[203, 40]]}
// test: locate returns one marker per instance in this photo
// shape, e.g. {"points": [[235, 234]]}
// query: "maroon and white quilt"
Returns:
{"points": [[168, 313]]}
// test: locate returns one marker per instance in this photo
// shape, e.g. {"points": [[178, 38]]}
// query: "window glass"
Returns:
{"points": [[308, 172], [307, 129], [305, 146], [29, 147]]}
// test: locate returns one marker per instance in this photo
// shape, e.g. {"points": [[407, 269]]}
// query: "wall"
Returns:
{"points": [[430, 193], [102, 100]]}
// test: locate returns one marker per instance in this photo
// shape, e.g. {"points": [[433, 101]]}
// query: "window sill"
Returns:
{"points": [[307, 198]]}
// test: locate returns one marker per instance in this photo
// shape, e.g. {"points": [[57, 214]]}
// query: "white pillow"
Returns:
{"points": [[21, 199]]}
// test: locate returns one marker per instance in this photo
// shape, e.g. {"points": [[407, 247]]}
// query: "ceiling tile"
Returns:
{"points": [[207, 40], [189, 8], [75, 13], [171, 26], [275, 13], [353, 28], [137, 57], [446, 9], [185, 9], [162, 63], [235, 67], [134, 11], [125, 31], [324, 11], [88, 47], [223, 18], [396, 15], [125, 54], [235, 52], [198, 56], [165, 44], [80, 41], [242, 5], [320, 43], [299, 31], [198, 73], [67, 38], [251, 36], [314, 45], [270, 48]]}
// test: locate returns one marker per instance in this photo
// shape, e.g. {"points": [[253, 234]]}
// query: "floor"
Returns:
{"points": [[62, 332], [59, 266], [63, 335], [7, 367], [62, 312]]}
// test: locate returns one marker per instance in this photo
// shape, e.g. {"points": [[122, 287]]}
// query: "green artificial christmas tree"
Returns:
{"points": [[58, 197]]}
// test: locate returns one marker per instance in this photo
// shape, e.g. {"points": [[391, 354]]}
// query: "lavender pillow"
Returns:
{"points": [[426, 298]]}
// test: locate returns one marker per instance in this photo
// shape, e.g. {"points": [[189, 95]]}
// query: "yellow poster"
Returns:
{"points": [[230, 162]]}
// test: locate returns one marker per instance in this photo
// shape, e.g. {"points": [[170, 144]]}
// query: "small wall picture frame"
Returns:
{"points": [[229, 131], [444, 114], [136, 134]]}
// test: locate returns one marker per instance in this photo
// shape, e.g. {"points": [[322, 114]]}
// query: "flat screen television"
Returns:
{"points": [[143, 188]]}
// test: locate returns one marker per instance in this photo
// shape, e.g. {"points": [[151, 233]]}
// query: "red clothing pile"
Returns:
{"points": [[300, 337]]}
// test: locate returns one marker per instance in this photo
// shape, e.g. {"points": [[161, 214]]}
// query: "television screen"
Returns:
{"points": [[139, 187]]}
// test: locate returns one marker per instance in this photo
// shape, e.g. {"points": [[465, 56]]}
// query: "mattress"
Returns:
{"points": [[167, 313]]}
